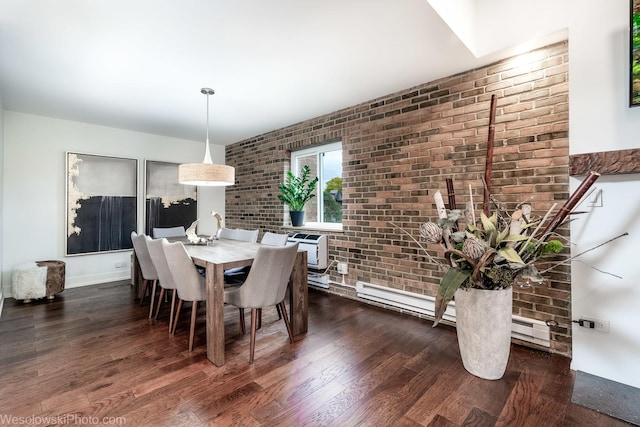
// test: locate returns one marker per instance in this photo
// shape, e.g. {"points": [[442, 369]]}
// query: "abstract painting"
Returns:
{"points": [[167, 202], [101, 203]]}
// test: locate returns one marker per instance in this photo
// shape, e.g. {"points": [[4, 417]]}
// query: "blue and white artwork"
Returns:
{"points": [[101, 203]]}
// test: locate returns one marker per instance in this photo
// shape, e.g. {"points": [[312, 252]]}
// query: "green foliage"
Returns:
{"points": [[334, 184], [551, 247], [510, 255], [451, 220], [297, 191], [635, 60], [332, 209], [450, 283]]}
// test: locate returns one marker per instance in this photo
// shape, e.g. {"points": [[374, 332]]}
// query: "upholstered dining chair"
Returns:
{"points": [[235, 276], [266, 286], [159, 232], [149, 272], [273, 239], [239, 234], [227, 233], [189, 283], [164, 275]]}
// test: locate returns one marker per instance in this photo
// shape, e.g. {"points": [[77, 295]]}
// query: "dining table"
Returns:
{"points": [[224, 254]]}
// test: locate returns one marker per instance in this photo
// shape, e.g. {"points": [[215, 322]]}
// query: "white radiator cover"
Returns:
{"points": [[522, 328]]}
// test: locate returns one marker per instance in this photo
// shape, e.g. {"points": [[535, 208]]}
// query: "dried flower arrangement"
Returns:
{"points": [[498, 251]]}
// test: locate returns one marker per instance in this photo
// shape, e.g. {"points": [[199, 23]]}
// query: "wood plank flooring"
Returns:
{"points": [[92, 357]]}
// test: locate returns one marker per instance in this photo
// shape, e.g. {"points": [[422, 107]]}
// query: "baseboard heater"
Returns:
{"points": [[318, 279], [522, 328]]}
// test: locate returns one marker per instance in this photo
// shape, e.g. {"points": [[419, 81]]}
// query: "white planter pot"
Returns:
{"points": [[483, 323]]}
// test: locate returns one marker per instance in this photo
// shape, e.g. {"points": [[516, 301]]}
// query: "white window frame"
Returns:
{"points": [[317, 150]]}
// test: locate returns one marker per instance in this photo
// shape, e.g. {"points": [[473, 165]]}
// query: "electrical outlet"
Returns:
{"points": [[600, 325], [121, 264], [343, 268]]}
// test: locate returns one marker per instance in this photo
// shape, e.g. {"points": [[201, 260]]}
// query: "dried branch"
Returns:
{"points": [[569, 205], [537, 228], [470, 208], [451, 194], [432, 259], [489, 160], [568, 260]]}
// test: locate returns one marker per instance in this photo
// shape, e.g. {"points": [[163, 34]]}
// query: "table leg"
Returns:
{"points": [[215, 313], [299, 295], [136, 276]]}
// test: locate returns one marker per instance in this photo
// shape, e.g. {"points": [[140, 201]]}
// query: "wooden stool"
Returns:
{"points": [[55, 276]]}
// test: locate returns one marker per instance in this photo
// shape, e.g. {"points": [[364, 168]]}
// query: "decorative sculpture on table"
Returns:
{"points": [[218, 218], [193, 237]]}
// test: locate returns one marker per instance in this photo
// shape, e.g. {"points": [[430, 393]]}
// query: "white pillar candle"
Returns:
{"points": [[442, 211]]}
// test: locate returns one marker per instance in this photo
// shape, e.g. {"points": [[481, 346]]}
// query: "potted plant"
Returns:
{"points": [[296, 192], [484, 260]]}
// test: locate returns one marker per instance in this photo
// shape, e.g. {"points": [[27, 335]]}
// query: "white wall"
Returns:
{"points": [[614, 355], [1, 197], [600, 120], [34, 189]]}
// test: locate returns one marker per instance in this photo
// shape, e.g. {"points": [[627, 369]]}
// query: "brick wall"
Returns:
{"points": [[398, 150]]}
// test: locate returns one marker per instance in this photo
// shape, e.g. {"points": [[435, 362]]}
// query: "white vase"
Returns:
{"points": [[483, 324]]}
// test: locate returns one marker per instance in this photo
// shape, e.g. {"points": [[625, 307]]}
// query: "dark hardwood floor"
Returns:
{"points": [[93, 353]]}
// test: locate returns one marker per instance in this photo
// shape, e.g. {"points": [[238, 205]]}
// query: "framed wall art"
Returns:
{"points": [[167, 202], [634, 45], [101, 198]]}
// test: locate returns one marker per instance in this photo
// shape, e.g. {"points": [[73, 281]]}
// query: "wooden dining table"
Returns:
{"points": [[225, 254]]}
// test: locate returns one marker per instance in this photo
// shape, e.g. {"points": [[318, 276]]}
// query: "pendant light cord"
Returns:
{"points": [[207, 153]]}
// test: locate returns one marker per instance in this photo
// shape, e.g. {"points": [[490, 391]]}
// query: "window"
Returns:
{"points": [[325, 162]]}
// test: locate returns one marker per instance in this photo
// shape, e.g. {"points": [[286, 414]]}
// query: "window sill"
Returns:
{"points": [[315, 226]]}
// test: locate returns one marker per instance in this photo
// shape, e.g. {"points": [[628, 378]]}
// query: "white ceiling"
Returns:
{"points": [[140, 64]]}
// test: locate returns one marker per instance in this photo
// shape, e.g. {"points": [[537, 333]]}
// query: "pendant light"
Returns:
{"points": [[206, 173]]}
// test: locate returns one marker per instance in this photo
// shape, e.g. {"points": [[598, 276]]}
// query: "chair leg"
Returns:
{"points": [[144, 290], [192, 330], [243, 328], [159, 302], [175, 321], [252, 339], [286, 321], [259, 318], [279, 312], [153, 296], [173, 306]]}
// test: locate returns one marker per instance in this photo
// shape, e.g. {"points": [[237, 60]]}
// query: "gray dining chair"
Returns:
{"points": [[164, 275], [274, 239], [147, 268], [266, 286], [239, 234], [159, 232], [189, 283], [235, 276], [227, 233]]}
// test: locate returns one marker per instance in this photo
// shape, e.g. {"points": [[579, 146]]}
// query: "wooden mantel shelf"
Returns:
{"points": [[605, 162]]}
